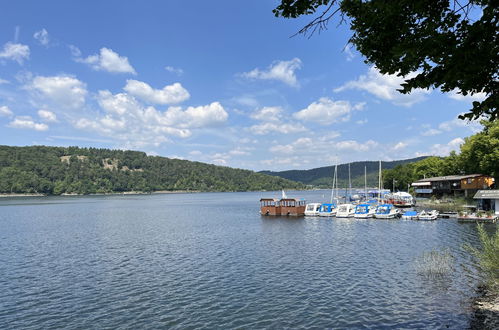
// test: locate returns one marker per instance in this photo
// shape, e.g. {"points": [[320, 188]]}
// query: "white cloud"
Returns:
{"points": [[362, 121], [283, 71], [354, 146], [26, 122], [15, 52], [385, 87], [268, 114], [107, 60], [170, 94], [276, 127], [47, 116], [327, 111], [457, 123], [138, 126], [350, 55], [400, 146], [5, 111], [456, 94], [445, 149], [177, 71], [66, 91], [3, 81], [43, 37], [431, 132]]}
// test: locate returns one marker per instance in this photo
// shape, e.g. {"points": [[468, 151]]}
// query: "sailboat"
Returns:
{"points": [[346, 210], [329, 209]]}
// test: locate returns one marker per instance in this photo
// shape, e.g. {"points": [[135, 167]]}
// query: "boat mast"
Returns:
{"points": [[365, 182], [349, 184], [332, 188], [379, 182]]}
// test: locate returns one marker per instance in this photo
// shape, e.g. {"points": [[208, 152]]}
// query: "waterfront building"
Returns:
{"points": [[452, 185], [488, 200]]}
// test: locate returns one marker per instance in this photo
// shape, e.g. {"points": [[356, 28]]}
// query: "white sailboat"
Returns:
{"points": [[330, 209]]}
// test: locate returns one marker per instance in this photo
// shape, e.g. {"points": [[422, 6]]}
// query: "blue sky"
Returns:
{"points": [[220, 82]]}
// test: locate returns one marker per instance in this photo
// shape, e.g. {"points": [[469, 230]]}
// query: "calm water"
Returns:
{"points": [[211, 261]]}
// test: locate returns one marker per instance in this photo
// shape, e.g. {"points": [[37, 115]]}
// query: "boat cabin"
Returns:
{"points": [[284, 206]]}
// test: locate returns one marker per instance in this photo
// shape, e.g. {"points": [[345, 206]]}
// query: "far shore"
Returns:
{"points": [[102, 194]]}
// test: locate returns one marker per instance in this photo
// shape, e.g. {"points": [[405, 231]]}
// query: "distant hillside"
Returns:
{"points": [[322, 176], [57, 170]]}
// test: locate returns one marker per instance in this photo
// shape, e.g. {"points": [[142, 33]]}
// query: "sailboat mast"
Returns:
{"points": [[349, 184], [365, 182], [332, 188], [379, 181]]}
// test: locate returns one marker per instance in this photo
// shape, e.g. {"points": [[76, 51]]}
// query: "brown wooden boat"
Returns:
{"points": [[283, 206]]}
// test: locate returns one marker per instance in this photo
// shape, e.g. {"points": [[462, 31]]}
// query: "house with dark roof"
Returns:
{"points": [[452, 185], [488, 200]]}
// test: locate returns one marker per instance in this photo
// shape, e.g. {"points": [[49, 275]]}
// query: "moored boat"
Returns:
{"points": [[410, 215], [428, 216], [345, 211], [283, 206], [386, 211], [364, 211], [327, 210], [312, 209]]}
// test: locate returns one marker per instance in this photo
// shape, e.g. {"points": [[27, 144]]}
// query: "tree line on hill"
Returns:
{"points": [[479, 154], [322, 177], [74, 170]]}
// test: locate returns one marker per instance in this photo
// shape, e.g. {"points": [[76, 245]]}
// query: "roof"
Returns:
{"points": [[487, 194], [418, 184], [451, 177]]}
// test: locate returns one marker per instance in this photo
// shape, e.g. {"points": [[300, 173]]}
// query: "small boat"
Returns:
{"points": [[401, 199], [364, 211], [428, 216], [345, 211], [328, 210], [410, 215], [312, 209], [386, 211]]}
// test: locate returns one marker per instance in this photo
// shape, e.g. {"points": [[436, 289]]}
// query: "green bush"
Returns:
{"points": [[488, 255]]}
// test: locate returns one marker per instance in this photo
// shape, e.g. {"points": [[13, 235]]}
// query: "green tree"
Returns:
{"points": [[480, 152], [450, 45]]}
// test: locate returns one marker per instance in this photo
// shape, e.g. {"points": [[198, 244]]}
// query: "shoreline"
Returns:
{"points": [[102, 194], [485, 309]]}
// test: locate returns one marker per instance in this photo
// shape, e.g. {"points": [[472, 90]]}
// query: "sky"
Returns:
{"points": [[221, 82]]}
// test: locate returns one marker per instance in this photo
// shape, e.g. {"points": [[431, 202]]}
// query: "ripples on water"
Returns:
{"points": [[211, 261]]}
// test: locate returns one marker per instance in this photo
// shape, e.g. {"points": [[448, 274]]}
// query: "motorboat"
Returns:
{"points": [[410, 215], [345, 211], [328, 210], [364, 211], [386, 211], [428, 216], [312, 209], [401, 199]]}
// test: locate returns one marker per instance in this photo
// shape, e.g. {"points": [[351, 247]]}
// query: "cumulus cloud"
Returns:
{"points": [[65, 91], [26, 122], [47, 116], [15, 52], [170, 94], [5, 111], [400, 146], [283, 71], [268, 114], [106, 60], [284, 128], [431, 132], [326, 111], [136, 125], [384, 86], [445, 149], [456, 94], [177, 71], [42, 37]]}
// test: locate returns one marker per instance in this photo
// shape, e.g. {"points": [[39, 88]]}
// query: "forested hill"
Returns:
{"points": [[322, 176], [57, 170]]}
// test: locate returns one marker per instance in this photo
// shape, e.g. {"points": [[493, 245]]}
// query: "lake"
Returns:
{"points": [[209, 260]]}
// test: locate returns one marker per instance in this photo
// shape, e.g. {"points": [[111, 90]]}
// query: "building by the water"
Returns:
{"points": [[488, 200], [452, 185]]}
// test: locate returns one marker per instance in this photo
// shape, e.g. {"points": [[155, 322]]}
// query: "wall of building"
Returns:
{"points": [[482, 182]]}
